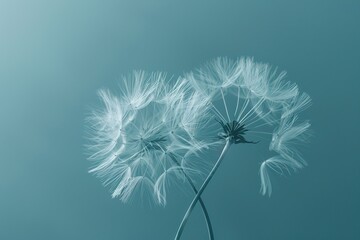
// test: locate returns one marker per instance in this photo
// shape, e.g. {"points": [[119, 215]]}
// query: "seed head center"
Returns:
{"points": [[234, 131]]}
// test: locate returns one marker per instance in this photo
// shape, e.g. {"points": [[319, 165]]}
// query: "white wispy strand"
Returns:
{"points": [[296, 105], [214, 75], [284, 141], [173, 92], [171, 177], [277, 164], [106, 137], [286, 137], [262, 81], [139, 88], [197, 107]]}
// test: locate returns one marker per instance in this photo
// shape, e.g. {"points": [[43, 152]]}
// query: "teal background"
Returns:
{"points": [[54, 55]]}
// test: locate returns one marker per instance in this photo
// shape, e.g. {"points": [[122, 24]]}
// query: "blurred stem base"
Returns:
{"points": [[201, 190]]}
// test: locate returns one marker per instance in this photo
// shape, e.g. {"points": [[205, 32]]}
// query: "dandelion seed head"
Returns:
{"points": [[138, 140], [251, 102]]}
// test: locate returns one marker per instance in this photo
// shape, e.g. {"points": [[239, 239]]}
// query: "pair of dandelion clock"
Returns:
{"points": [[154, 131]]}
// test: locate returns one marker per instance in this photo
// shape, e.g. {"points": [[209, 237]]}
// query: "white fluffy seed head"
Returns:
{"points": [[138, 140], [258, 98]]}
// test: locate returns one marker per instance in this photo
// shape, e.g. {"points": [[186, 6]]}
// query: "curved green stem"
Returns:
{"points": [[198, 195], [203, 207]]}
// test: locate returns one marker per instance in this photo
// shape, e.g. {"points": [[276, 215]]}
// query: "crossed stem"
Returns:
{"points": [[203, 207], [200, 191]]}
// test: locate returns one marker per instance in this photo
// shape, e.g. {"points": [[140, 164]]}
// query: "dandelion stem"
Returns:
{"points": [[205, 212], [202, 188]]}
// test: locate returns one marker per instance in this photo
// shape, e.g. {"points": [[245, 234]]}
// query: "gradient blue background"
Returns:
{"points": [[54, 55]]}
